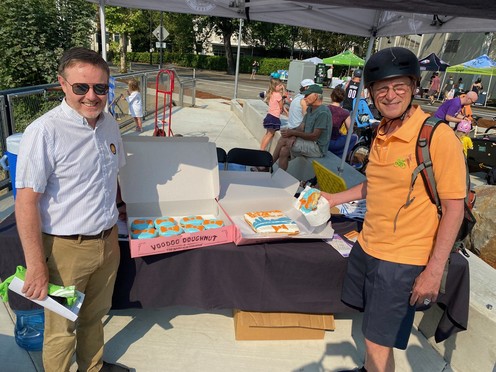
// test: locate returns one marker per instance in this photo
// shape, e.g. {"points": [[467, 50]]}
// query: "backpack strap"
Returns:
{"points": [[424, 161], [424, 167]]}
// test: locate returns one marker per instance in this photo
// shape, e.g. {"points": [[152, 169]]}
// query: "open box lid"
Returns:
{"points": [[169, 175], [276, 189], [241, 192]]}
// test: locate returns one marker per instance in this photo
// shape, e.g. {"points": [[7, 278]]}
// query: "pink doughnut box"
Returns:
{"points": [[175, 177]]}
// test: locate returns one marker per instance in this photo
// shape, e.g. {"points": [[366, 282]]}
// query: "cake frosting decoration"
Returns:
{"points": [[141, 224], [165, 222], [212, 223], [144, 234], [191, 220], [314, 208], [271, 222], [170, 230], [193, 228], [309, 199]]}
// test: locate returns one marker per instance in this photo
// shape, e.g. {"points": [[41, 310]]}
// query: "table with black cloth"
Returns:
{"points": [[296, 275]]}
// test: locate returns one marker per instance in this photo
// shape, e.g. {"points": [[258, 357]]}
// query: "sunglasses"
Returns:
{"points": [[81, 89]]}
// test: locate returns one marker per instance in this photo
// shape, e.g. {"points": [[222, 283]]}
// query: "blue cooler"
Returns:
{"points": [[29, 329], [9, 161]]}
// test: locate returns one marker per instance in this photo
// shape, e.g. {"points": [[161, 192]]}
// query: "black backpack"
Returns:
{"points": [[425, 169]]}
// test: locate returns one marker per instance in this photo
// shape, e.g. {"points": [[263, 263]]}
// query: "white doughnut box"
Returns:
{"points": [[242, 192], [175, 177]]}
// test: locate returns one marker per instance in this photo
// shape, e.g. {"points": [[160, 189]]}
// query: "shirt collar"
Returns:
{"points": [[409, 128]]}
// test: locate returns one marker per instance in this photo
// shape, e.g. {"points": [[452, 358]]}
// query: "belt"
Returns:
{"points": [[102, 235]]}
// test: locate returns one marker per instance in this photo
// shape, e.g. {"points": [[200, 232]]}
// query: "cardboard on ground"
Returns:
{"points": [[70, 313], [172, 177], [243, 192], [250, 325]]}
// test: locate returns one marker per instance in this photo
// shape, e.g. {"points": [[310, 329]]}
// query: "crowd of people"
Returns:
{"points": [[456, 107], [66, 219]]}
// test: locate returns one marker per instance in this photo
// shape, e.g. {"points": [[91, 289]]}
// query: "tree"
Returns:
{"points": [[34, 35], [223, 27], [181, 37], [122, 21]]}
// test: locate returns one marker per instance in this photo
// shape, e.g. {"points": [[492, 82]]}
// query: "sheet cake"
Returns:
{"points": [[265, 222]]}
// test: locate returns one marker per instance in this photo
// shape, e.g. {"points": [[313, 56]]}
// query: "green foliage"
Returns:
{"points": [[34, 34], [31, 107], [268, 65]]}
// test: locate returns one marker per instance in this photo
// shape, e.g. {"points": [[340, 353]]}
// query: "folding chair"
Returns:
{"points": [[249, 157], [327, 180], [221, 158]]}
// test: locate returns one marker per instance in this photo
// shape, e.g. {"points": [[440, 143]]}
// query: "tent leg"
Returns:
{"points": [[354, 112], [237, 59], [488, 90], [103, 29]]}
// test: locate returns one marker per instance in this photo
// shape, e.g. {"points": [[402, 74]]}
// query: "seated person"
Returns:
{"points": [[451, 110], [297, 109], [313, 140], [340, 123]]}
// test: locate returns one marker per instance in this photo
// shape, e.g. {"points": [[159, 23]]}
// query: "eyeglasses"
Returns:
{"points": [[399, 89], [81, 89]]}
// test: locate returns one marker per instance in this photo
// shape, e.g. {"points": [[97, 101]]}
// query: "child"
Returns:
{"points": [[462, 130], [135, 104], [272, 121]]}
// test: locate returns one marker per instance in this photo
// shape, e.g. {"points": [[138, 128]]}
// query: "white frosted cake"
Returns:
{"points": [[265, 222]]}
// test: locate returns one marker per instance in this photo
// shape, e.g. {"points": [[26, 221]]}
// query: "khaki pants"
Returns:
{"points": [[90, 265]]}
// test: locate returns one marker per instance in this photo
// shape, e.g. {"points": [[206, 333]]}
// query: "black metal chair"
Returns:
{"points": [[221, 158], [260, 159]]}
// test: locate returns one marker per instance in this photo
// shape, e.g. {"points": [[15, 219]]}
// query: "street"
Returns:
{"points": [[218, 84]]}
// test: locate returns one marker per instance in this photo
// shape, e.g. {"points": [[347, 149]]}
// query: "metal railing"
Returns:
{"points": [[21, 106]]}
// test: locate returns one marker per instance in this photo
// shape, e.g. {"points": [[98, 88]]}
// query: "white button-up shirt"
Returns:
{"points": [[75, 168]]}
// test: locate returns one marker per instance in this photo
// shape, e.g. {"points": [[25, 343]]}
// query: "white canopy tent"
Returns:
{"points": [[368, 18]]}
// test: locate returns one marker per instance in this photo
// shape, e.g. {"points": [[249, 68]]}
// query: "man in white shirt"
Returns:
{"points": [[66, 209]]}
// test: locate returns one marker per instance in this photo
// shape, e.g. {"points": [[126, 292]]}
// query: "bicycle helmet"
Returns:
{"points": [[464, 126], [275, 75], [357, 73], [391, 62]]}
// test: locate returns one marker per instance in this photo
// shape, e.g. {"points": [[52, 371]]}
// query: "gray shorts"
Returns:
{"points": [[306, 148], [381, 289]]}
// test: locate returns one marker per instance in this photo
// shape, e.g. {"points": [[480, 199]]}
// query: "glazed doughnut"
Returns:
{"points": [[144, 234], [165, 222], [212, 224], [141, 224], [170, 230], [191, 220], [193, 228]]}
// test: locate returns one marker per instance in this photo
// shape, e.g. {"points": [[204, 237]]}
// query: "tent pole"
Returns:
{"points": [[103, 29], [488, 90], [237, 59], [355, 110], [442, 86]]}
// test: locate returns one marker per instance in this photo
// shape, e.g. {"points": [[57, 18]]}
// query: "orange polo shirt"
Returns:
{"points": [[391, 163]]}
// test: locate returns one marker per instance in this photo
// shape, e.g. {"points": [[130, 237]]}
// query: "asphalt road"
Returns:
{"points": [[220, 84]]}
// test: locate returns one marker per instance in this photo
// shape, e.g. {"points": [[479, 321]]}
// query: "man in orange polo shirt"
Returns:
{"points": [[399, 258]]}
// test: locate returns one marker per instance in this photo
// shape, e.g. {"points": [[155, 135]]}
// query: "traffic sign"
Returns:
{"points": [[156, 32], [159, 44]]}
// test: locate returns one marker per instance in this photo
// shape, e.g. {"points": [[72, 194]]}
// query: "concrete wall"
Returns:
{"points": [[252, 112], [474, 349]]}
